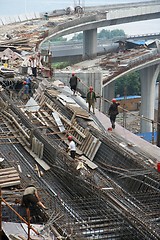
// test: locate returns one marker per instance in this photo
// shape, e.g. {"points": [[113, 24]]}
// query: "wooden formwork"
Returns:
{"points": [[9, 177]]}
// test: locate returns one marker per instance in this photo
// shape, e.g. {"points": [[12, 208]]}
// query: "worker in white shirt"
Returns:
{"points": [[33, 65], [72, 147]]}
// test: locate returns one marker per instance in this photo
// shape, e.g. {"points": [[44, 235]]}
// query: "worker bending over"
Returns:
{"points": [[31, 198]]}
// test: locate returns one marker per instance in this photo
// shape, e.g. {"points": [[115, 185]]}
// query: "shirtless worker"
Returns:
{"points": [[30, 197]]}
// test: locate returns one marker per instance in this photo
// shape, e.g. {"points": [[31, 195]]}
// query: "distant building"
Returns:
{"points": [[130, 103], [130, 44]]}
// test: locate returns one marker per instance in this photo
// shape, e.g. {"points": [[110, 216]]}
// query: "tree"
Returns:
{"points": [[103, 34], [58, 39], [77, 36], [131, 82], [107, 34]]}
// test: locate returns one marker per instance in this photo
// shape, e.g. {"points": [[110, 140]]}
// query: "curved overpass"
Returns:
{"points": [[125, 13], [149, 67], [116, 14]]}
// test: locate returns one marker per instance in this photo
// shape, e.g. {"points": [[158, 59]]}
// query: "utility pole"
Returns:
{"points": [[152, 132], [124, 108], [158, 118]]}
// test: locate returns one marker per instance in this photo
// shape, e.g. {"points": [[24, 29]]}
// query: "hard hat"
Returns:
{"points": [[24, 82], [113, 100], [70, 138], [91, 88]]}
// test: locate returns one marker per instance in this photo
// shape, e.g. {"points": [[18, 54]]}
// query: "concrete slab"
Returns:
{"points": [[16, 231], [129, 137]]}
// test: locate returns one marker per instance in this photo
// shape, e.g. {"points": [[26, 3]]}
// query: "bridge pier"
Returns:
{"points": [[90, 43], [148, 78]]}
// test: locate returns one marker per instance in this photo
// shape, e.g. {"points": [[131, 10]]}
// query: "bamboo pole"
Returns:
{"points": [[0, 213], [29, 225], [20, 217]]}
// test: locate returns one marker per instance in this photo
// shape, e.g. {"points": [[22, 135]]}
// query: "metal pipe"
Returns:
{"points": [[29, 225], [0, 213], [20, 217]]}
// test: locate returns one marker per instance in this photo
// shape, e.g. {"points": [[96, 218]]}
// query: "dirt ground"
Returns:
{"points": [[130, 120]]}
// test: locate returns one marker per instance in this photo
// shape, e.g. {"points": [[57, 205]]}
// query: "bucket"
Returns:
{"points": [[158, 167]]}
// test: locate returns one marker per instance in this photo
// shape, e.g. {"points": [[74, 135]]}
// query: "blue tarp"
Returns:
{"points": [[128, 97], [148, 136], [138, 42]]}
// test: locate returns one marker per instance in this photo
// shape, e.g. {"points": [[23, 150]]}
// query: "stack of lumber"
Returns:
{"points": [[9, 177]]}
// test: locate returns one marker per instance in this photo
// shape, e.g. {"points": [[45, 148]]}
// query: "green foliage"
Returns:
{"points": [[103, 34], [60, 65], [58, 39], [107, 34], [77, 36], [130, 83]]}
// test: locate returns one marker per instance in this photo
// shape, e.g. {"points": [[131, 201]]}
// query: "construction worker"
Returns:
{"points": [[73, 83], [33, 64], [91, 99], [113, 112], [25, 93], [72, 147], [31, 198], [29, 83]]}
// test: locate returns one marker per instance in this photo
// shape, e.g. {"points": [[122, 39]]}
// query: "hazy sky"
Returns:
{"points": [[12, 7], [16, 7]]}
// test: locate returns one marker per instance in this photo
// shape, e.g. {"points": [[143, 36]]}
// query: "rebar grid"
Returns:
{"points": [[93, 213]]}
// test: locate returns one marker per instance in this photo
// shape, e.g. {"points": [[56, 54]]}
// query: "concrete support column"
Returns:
{"points": [[90, 43], [108, 94], [148, 78]]}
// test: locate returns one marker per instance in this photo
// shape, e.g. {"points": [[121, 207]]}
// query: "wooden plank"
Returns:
{"points": [[58, 121], [10, 184], [42, 163], [4, 170], [79, 112], [64, 99], [39, 113], [95, 146], [8, 176], [66, 121], [89, 163], [11, 179]]}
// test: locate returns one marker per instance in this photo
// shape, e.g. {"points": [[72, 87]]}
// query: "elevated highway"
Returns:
{"points": [[111, 15], [110, 67], [148, 64], [118, 199]]}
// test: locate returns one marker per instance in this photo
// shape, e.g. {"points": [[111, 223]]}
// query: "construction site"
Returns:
{"points": [[111, 190]]}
